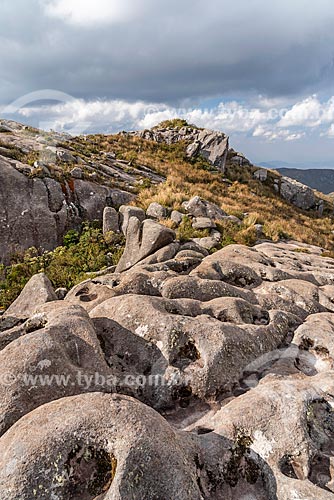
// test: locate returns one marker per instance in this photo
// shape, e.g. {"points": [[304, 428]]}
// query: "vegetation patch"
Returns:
{"points": [[67, 265]]}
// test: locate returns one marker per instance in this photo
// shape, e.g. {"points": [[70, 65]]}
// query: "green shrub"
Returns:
{"points": [[71, 238], [185, 231], [65, 266]]}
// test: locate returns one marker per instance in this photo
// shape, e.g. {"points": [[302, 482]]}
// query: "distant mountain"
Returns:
{"points": [[310, 165], [320, 177]]}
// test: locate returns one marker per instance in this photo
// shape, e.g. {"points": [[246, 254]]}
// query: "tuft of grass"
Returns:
{"points": [[276, 231], [252, 219], [300, 250], [186, 232], [174, 123]]}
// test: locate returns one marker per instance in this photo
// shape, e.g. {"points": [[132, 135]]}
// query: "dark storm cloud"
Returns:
{"points": [[166, 51]]}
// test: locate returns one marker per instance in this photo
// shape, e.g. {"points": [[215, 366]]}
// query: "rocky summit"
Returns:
{"points": [[199, 366]]}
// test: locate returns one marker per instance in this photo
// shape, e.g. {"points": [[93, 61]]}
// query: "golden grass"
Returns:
{"points": [[238, 194]]}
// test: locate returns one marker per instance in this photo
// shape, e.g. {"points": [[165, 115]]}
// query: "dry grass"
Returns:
{"points": [[238, 194]]}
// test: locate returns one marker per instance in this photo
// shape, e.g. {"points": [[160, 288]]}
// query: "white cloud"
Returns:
{"points": [[295, 137], [310, 112], [117, 114], [272, 133], [305, 113], [232, 117], [88, 12], [329, 132]]}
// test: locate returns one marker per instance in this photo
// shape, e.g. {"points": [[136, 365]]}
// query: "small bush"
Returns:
{"points": [[66, 266], [246, 236], [71, 238], [186, 232]]}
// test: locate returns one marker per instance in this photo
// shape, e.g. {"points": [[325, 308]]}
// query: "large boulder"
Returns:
{"points": [[197, 207], [110, 220], [98, 446], [56, 355], [143, 239], [37, 292], [210, 144], [37, 212], [296, 193], [126, 212]]}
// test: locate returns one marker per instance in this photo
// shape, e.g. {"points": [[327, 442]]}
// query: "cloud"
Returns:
{"points": [[237, 119], [90, 13], [329, 132], [309, 113], [273, 134], [166, 51], [306, 113], [114, 115]]}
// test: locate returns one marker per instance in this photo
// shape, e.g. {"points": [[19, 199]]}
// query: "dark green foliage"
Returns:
{"points": [[65, 266], [185, 231], [71, 238]]}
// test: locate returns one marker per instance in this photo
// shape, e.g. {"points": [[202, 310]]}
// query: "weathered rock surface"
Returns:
{"points": [[198, 207], [45, 210], [235, 351], [181, 375], [211, 145], [296, 193], [126, 212], [203, 223], [157, 211], [39, 202], [37, 292], [177, 217], [110, 220], [113, 447], [143, 240]]}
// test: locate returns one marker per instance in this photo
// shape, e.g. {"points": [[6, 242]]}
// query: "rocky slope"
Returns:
{"points": [[181, 375], [46, 189], [51, 183], [213, 146]]}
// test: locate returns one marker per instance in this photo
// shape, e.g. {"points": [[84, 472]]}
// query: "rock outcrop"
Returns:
{"points": [[142, 240], [186, 375], [42, 199], [211, 145], [46, 209], [291, 190], [48, 188], [197, 207], [40, 288], [296, 193]]}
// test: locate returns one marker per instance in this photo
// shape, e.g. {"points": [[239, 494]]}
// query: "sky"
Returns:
{"points": [[261, 71]]}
